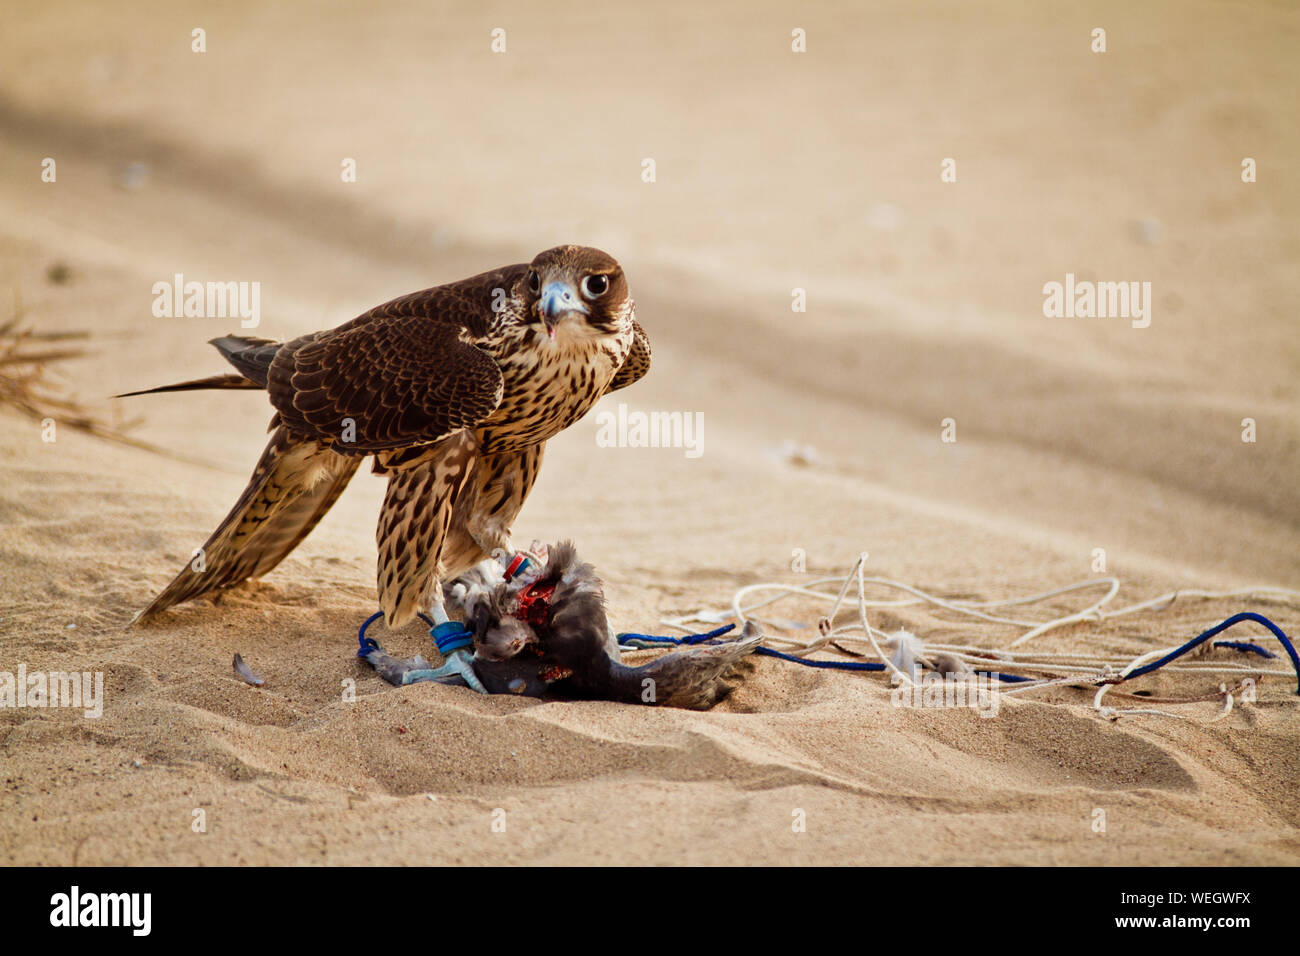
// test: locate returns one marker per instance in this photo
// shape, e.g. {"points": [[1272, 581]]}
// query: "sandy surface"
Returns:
{"points": [[774, 171]]}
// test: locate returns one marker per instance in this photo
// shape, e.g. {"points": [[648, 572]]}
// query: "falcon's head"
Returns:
{"points": [[576, 291]]}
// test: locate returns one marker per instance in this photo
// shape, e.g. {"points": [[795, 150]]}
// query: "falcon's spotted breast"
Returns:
{"points": [[454, 391]]}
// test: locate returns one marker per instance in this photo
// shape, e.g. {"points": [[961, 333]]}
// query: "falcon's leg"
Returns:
{"points": [[485, 511], [457, 666], [456, 643], [413, 523], [482, 513], [422, 492]]}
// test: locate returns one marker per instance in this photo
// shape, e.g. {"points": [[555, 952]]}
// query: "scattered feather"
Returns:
{"points": [[907, 650], [244, 674]]}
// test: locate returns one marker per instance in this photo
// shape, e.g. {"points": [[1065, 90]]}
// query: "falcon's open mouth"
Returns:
{"points": [[558, 300]]}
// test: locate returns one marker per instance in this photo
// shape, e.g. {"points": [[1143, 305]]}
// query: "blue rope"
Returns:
{"points": [[829, 665], [368, 645], [1242, 646], [769, 652], [1246, 648], [1219, 628], [687, 639]]}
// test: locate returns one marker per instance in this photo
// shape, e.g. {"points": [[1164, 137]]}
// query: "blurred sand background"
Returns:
{"points": [[775, 170]]}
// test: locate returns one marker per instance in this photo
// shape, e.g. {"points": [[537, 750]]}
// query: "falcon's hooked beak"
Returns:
{"points": [[557, 300]]}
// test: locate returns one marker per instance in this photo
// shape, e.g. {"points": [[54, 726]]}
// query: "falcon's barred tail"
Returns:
{"points": [[414, 519], [229, 380], [293, 485], [251, 356]]}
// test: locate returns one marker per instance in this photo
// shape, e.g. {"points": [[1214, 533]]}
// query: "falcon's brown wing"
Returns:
{"points": [[292, 487], [404, 373], [637, 362]]}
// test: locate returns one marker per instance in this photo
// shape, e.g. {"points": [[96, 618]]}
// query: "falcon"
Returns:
{"points": [[453, 392]]}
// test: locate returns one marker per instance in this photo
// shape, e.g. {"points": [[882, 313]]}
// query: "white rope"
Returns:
{"points": [[1083, 667]]}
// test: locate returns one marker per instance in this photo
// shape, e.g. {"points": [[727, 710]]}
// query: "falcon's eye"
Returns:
{"points": [[593, 287], [534, 282]]}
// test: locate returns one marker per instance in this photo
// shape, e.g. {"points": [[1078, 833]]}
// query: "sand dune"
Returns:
{"points": [[775, 171]]}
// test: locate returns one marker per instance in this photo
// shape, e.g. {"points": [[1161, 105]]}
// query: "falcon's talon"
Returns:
{"points": [[457, 668], [458, 665]]}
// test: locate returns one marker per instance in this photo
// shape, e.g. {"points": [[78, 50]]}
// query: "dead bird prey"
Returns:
{"points": [[454, 391], [546, 632]]}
